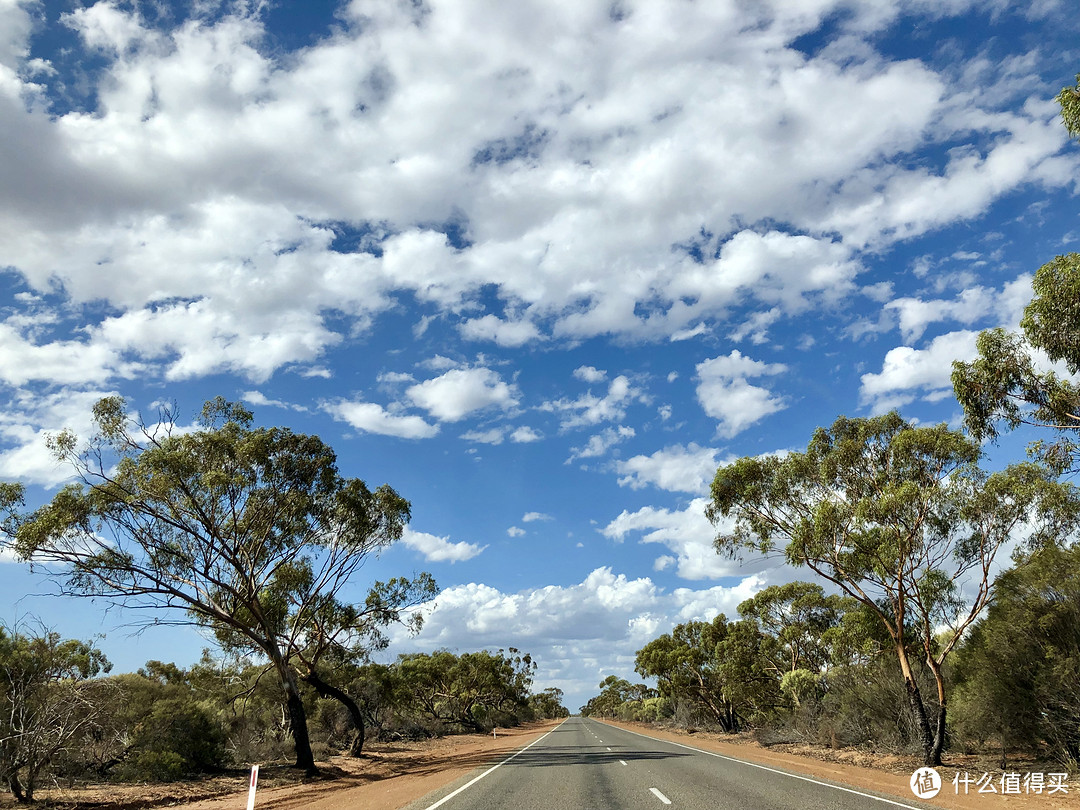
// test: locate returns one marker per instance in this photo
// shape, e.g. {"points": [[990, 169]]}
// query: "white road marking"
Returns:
{"points": [[609, 749], [472, 782], [774, 770], [621, 762], [660, 796]]}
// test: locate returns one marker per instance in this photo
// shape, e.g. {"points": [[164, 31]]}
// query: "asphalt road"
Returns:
{"points": [[587, 765]]}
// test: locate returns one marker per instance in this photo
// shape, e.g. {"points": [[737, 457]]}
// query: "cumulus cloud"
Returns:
{"points": [[504, 333], [599, 443], [523, 193], [440, 549], [459, 392], [578, 633], [259, 399], [525, 435], [727, 396], [908, 373], [675, 469], [29, 418], [515, 531], [971, 305], [494, 435], [687, 533], [530, 517], [589, 409], [590, 374], [373, 418]]}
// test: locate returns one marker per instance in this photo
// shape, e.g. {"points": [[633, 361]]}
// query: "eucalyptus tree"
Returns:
{"points": [[47, 700], [685, 667], [1019, 670], [468, 689], [901, 519], [798, 618], [249, 531], [340, 634], [1009, 384]]}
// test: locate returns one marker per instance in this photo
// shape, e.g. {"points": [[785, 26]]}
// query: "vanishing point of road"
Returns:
{"points": [[583, 764]]}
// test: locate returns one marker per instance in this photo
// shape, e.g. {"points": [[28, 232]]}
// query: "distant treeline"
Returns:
{"points": [[800, 665], [62, 718]]}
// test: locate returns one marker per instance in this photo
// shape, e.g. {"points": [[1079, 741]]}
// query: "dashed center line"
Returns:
{"points": [[621, 762], [660, 795]]}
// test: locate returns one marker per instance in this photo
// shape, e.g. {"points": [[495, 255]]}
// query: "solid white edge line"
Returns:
{"points": [[771, 770], [660, 796], [473, 781]]}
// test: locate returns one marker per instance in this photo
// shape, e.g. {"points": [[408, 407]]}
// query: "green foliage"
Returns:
{"points": [[1069, 99], [250, 531], [176, 738], [618, 698], [1019, 672], [46, 702], [718, 671], [796, 618], [1005, 386], [474, 690], [548, 704], [895, 516]]}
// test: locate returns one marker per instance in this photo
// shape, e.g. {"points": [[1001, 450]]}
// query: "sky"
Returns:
{"points": [[539, 266]]}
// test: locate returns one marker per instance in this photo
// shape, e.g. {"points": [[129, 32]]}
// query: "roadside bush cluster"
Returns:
{"points": [[165, 723], [813, 668]]}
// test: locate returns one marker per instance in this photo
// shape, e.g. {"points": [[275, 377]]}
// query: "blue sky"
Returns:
{"points": [[540, 266]]}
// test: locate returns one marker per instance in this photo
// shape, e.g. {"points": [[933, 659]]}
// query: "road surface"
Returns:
{"points": [[586, 765]]}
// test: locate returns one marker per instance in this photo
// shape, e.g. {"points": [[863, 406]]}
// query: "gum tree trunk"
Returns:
{"points": [[328, 690]]}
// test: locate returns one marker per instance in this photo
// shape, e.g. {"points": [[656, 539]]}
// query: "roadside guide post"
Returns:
{"points": [[251, 789]]}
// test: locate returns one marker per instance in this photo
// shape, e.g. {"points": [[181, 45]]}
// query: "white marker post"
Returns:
{"points": [[251, 790]]}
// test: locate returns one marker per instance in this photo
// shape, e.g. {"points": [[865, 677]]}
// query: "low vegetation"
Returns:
{"points": [[64, 720]]}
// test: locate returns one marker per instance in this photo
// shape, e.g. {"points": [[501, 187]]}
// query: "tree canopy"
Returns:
{"points": [[45, 702], [900, 518], [247, 530], [1010, 382]]}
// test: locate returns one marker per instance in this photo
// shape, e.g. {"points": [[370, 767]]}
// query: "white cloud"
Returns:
{"points": [[688, 534], [515, 531], [459, 392], [972, 304], [590, 374], [28, 419], [589, 409], [725, 394], [373, 418], [907, 373], [525, 435], [494, 435], [257, 398], [392, 378], [570, 171], [675, 469], [577, 633], [599, 443], [440, 549], [530, 517], [499, 331], [63, 362]]}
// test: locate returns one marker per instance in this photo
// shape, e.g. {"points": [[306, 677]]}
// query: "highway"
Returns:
{"points": [[586, 765]]}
